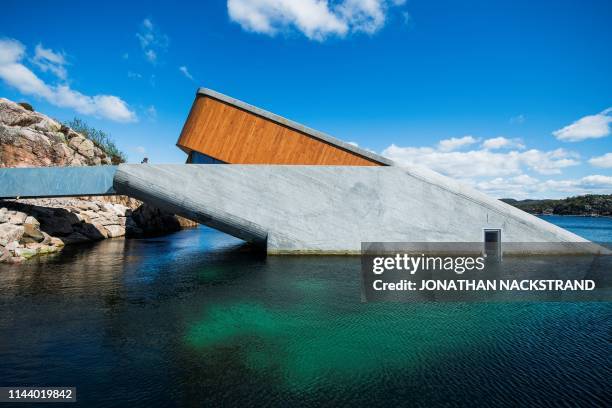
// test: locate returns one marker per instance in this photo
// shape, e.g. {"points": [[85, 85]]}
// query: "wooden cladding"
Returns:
{"points": [[233, 135]]}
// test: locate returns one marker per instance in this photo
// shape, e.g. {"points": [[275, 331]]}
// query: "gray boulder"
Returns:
{"points": [[9, 233]]}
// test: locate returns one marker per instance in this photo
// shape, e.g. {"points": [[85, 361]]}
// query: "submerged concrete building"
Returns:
{"points": [[291, 189]]}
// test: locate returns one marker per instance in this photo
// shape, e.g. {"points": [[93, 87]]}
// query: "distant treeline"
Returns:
{"points": [[590, 204]]}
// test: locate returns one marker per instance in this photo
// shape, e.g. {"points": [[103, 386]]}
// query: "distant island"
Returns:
{"points": [[586, 205]]}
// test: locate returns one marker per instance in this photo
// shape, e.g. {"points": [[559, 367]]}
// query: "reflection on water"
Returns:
{"points": [[190, 319]]}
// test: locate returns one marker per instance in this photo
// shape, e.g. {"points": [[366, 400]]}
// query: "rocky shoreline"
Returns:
{"points": [[30, 227]]}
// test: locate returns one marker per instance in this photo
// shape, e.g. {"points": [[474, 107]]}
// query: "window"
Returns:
{"points": [[492, 243]]}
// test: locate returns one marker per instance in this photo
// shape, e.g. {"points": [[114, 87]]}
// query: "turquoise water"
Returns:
{"points": [[189, 319]]}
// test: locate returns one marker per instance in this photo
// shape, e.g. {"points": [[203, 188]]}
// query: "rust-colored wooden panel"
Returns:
{"points": [[233, 135]]}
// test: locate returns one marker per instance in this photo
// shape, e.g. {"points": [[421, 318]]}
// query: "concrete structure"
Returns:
{"points": [[292, 189], [33, 182], [331, 209]]}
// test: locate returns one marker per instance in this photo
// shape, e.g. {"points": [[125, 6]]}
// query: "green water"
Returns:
{"points": [[187, 320]]}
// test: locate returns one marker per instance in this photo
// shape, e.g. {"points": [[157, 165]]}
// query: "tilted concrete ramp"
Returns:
{"points": [[330, 209]]}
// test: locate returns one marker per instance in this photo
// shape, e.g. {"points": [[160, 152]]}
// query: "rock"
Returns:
{"points": [[47, 249], [12, 246], [87, 205], [77, 160], [115, 231], [46, 239], [33, 232], [16, 259], [25, 252], [71, 133], [17, 217], [56, 242], [86, 148], [4, 254], [101, 229], [63, 151], [9, 233], [3, 215], [56, 226], [14, 115], [92, 231], [107, 219], [75, 238], [107, 207], [91, 214], [120, 209], [76, 141], [31, 220]]}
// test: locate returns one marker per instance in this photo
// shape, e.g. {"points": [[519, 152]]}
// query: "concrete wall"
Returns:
{"points": [[330, 209], [32, 182]]}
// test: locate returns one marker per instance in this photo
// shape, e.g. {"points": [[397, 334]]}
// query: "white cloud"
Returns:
{"points": [[454, 143], [17, 75], [152, 41], [482, 163], [524, 186], [513, 173], [502, 143], [588, 127], [604, 161], [185, 72], [49, 60], [316, 19]]}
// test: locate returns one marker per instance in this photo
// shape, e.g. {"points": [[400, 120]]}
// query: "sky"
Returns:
{"points": [[511, 97]]}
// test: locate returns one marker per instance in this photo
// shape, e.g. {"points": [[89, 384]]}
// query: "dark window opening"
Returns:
{"points": [[201, 158], [492, 242]]}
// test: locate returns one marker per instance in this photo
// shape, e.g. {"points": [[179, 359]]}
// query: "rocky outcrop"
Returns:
{"points": [[42, 226], [30, 139]]}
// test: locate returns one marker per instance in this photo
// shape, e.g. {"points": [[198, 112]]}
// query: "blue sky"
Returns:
{"points": [[512, 97]]}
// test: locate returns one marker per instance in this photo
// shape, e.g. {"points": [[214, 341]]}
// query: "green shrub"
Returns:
{"points": [[100, 138], [26, 106]]}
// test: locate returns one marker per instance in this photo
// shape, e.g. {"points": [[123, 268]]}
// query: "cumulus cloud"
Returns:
{"points": [[524, 186], [17, 75], [316, 19], [186, 72], [151, 40], [588, 127], [48, 60], [481, 163], [604, 161], [502, 143], [516, 172], [454, 143]]}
